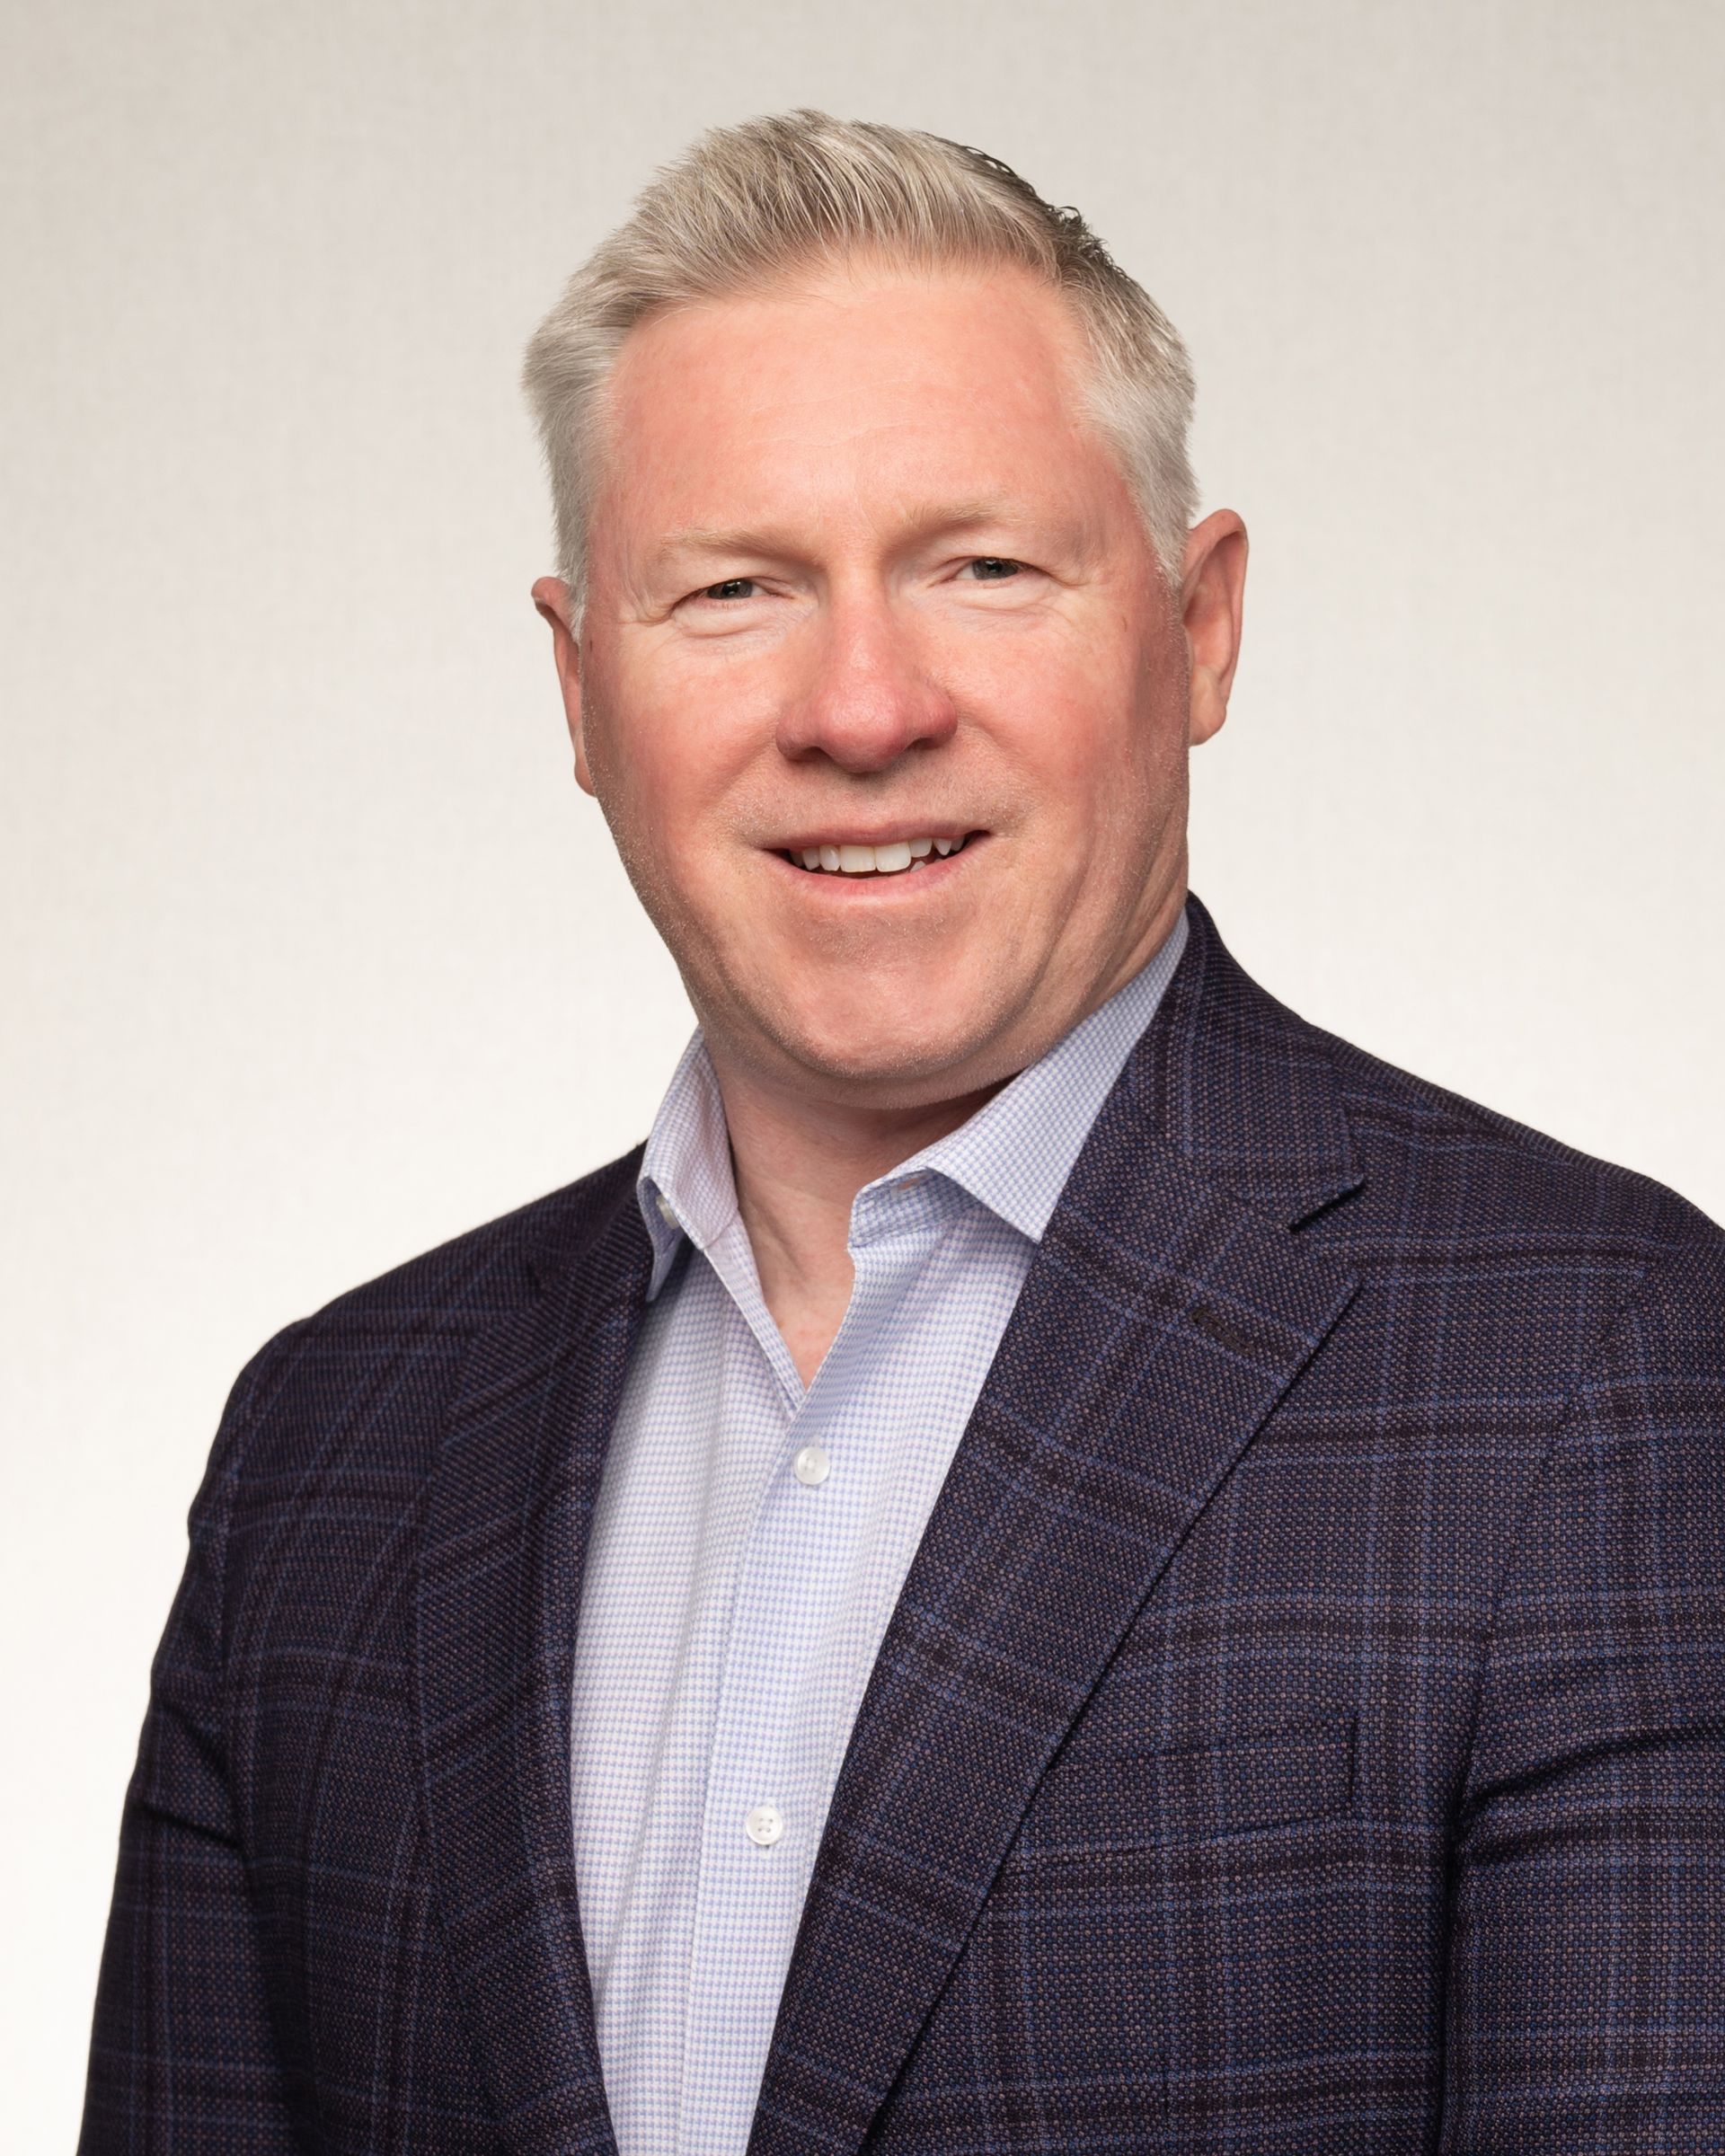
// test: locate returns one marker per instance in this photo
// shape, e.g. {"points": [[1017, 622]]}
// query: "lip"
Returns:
{"points": [[834, 888], [872, 835]]}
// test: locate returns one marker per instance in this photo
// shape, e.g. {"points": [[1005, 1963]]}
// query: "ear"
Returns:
{"points": [[551, 600], [1212, 592]]}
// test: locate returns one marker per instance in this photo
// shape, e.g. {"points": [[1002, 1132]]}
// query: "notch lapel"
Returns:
{"points": [[501, 1550], [1167, 1311]]}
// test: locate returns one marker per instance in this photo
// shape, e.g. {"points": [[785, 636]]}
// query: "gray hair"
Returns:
{"points": [[751, 203]]}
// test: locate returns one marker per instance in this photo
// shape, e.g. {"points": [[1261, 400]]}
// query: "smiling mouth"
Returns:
{"points": [[898, 857]]}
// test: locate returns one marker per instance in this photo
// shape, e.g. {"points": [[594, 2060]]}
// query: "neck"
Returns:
{"points": [[799, 1164], [799, 1159]]}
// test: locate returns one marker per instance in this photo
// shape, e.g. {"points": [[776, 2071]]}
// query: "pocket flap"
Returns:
{"points": [[1133, 1801]]}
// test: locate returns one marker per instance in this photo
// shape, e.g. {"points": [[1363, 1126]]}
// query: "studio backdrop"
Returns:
{"points": [[315, 954]]}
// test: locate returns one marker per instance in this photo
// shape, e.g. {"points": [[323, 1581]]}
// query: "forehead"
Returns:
{"points": [[861, 381]]}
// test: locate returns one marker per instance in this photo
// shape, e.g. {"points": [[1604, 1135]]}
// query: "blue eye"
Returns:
{"points": [[991, 569], [732, 587]]}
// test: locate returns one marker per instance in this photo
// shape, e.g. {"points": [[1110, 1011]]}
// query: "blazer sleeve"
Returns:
{"points": [[182, 2057], [1587, 1972]]}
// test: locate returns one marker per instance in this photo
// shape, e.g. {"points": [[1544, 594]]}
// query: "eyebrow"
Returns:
{"points": [[922, 523]]}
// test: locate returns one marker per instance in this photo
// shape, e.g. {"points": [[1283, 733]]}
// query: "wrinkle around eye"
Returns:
{"points": [[1014, 584], [730, 605], [724, 594], [727, 602]]}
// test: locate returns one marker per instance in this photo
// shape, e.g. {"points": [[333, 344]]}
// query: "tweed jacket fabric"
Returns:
{"points": [[1302, 1728]]}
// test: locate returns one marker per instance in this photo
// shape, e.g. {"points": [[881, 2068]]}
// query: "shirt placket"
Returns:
{"points": [[782, 1709]]}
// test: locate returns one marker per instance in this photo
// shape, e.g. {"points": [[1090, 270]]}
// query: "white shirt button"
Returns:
{"points": [[811, 1465], [763, 1825], [667, 1211]]}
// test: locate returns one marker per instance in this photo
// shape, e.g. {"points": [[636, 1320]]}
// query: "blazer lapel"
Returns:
{"points": [[499, 1588], [1167, 1311]]}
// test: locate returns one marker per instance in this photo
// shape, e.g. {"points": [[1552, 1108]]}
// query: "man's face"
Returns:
{"points": [[863, 576]]}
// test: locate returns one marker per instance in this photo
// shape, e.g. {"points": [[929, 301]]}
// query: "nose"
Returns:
{"points": [[870, 697]]}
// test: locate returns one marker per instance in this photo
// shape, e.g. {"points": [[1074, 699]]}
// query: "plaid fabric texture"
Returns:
{"points": [[1302, 1728], [730, 1615]]}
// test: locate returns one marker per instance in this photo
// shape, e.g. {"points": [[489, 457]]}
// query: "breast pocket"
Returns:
{"points": [[1241, 1785]]}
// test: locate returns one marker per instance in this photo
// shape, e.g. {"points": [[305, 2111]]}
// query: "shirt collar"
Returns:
{"points": [[686, 1185], [1013, 1155]]}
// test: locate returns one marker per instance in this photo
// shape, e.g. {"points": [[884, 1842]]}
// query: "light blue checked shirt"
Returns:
{"points": [[749, 1545]]}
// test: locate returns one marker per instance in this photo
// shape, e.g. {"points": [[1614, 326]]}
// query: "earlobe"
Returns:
{"points": [[1208, 707]]}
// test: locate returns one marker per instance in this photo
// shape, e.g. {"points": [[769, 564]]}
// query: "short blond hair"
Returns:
{"points": [[750, 205]]}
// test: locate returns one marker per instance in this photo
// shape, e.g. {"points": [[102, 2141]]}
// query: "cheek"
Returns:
{"points": [[675, 780], [663, 757], [1089, 732]]}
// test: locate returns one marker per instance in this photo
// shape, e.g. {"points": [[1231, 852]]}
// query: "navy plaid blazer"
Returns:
{"points": [[1302, 1728]]}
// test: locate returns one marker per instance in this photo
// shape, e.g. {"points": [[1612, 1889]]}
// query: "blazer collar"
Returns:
{"points": [[1240, 1089], [502, 1540], [1168, 1308]]}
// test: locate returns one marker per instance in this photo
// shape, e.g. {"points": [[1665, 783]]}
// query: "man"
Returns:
{"points": [[1064, 1561]]}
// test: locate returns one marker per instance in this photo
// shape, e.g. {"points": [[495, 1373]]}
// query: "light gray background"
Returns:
{"points": [[315, 955]]}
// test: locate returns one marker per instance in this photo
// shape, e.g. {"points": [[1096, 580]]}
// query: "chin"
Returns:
{"points": [[908, 1051]]}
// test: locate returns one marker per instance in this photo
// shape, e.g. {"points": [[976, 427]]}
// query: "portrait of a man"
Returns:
{"points": [[1060, 1559]]}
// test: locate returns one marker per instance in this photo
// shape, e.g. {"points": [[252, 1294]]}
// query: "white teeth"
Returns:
{"points": [[892, 859]]}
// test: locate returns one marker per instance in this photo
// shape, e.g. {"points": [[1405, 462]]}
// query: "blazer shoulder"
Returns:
{"points": [[487, 1271], [1435, 1153], [417, 1321]]}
